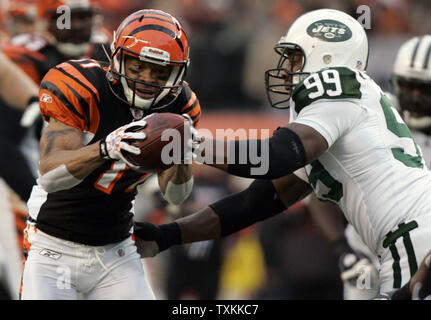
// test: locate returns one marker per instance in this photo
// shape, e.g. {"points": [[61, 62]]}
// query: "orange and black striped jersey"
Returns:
{"points": [[96, 211]]}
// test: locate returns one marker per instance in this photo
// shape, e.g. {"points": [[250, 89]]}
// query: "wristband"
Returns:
{"points": [[102, 150], [170, 234]]}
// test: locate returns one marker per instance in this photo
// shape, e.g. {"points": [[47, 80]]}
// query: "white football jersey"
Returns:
{"points": [[373, 168], [424, 141]]}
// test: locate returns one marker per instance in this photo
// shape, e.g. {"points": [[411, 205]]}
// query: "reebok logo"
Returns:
{"points": [[46, 98], [50, 254]]}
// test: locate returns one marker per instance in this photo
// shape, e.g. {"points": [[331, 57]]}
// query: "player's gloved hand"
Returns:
{"points": [[351, 264], [151, 239], [193, 140], [117, 141]]}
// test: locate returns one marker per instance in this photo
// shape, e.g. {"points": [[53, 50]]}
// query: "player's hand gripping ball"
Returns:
{"points": [[163, 145]]}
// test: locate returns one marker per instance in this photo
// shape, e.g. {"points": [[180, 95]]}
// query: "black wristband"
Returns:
{"points": [[403, 293], [170, 235], [165, 235]]}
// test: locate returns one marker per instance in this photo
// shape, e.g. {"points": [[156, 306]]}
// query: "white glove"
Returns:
{"points": [[112, 146]]}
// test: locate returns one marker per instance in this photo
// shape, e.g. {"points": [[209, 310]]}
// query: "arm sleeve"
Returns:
{"points": [[240, 210], [332, 119]]}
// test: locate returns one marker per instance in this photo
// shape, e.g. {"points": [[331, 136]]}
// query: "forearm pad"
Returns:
{"points": [[279, 156], [256, 203]]}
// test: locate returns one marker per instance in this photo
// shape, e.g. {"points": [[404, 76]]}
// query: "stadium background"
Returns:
{"points": [[231, 44]]}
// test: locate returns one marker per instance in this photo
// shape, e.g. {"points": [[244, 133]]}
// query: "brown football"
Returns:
{"points": [[150, 158]]}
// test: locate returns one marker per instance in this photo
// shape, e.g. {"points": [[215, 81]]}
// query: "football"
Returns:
{"points": [[159, 127]]}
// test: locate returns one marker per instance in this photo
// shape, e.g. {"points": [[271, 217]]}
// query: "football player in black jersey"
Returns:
{"points": [[80, 218]]}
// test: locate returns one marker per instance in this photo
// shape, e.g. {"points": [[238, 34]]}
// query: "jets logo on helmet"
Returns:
{"points": [[311, 44], [329, 30], [151, 36], [411, 79]]}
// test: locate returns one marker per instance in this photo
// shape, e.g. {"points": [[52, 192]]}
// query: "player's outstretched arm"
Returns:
{"points": [[290, 148], [261, 200]]}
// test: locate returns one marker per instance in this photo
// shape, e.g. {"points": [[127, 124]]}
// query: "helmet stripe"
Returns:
{"points": [[140, 18], [161, 29], [153, 27], [415, 51], [427, 57]]}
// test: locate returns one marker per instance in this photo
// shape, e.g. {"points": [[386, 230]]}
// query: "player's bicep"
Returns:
{"points": [[313, 142], [58, 136]]}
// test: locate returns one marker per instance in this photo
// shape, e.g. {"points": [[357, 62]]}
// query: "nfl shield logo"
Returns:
{"points": [[121, 252]]}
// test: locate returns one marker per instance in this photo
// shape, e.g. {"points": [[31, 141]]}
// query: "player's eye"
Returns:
{"points": [[134, 71]]}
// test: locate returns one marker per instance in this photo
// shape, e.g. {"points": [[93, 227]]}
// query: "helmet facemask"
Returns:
{"points": [[281, 81], [415, 102], [162, 94]]}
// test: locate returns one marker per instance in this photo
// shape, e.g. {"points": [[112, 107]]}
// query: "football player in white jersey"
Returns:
{"points": [[412, 83], [345, 141]]}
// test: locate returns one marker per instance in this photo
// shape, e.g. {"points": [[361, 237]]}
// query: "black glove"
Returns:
{"points": [[152, 239], [351, 264]]}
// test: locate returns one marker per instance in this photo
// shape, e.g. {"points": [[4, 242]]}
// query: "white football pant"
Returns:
{"points": [[58, 269]]}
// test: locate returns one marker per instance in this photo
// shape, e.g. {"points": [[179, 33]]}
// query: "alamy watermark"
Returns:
{"points": [[219, 149], [364, 17], [64, 20]]}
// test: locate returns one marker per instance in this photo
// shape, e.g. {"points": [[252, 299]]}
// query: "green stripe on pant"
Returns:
{"points": [[390, 240]]}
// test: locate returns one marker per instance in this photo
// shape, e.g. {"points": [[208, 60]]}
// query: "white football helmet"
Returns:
{"points": [[321, 38], [411, 79]]}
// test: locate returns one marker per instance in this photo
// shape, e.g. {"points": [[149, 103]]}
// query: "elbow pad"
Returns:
{"points": [[279, 156], [256, 203], [58, 179], [176, 193]]}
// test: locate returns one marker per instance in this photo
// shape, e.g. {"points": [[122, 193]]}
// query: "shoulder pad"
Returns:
{"points": [[71, 93], [329, 83]]}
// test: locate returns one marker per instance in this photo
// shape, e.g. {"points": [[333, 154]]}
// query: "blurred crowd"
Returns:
{"points": [[231, 45], [231, 41]]}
